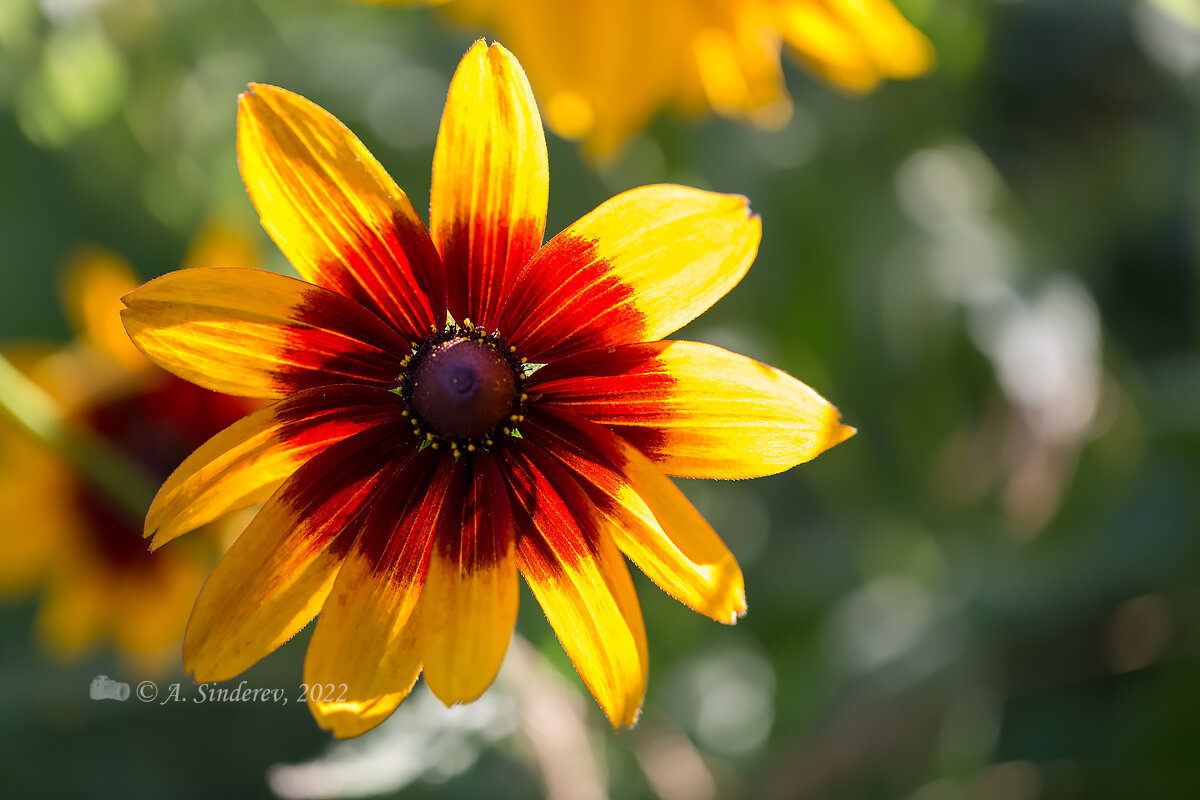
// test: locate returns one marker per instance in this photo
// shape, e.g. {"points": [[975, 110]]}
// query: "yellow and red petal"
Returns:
{"points": [[366, 650], [640, 266], [471, 584], [652, 522], [244, 464], [696, 410], [335, 212], [276, 576], [487, 207], [258, 334], [580, 580]]}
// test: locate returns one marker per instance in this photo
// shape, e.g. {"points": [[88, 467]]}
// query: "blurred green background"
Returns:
{"points": [[993, 591]]}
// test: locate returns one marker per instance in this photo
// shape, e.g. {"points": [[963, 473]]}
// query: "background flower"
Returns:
{"points": [[65, 535], [604, 68]]}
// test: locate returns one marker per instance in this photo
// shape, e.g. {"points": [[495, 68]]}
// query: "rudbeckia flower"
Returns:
{"points": [[603, 68], [99, 581], [415, 461]]}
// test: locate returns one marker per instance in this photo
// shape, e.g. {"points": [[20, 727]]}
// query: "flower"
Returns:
{"points": [[603, 68], [66, 535], [415, 464]]}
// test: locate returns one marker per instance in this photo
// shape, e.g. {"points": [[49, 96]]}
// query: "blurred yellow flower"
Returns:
{"points": [[98, 579], [601, 69]]}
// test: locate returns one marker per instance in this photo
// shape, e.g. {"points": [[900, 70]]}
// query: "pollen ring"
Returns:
{"points": [[462, 388]]}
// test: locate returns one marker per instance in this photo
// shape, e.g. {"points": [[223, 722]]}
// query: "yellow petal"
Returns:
{"points": [[366, 648], [222, 242], [696, 410], [37, 523], [74, 615], [245, 463], [490, 182], [600, 70], [651, 521], [258, 334], [640, 266], [896, 47], [92, 287], [471, 586], [334, 212], [151, 609], [580, 580], [276, 576], [855, 43], [737, 63]]}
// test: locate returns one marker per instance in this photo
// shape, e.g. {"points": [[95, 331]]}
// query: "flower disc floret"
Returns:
{"points": [[463, 387]]}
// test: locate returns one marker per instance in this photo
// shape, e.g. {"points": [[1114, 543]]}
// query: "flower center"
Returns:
{"points": [[463, 388]]}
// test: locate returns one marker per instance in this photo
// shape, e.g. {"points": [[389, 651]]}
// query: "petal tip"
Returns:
{"points": [[739, 608], [134, 327], [841, 433], [158, 533], [741, 215], [455, 693], [258, 91], [498, 52], [339, 730], [346, 720], [478, 49], [190, 668], [203, 659], [630, 719]]}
